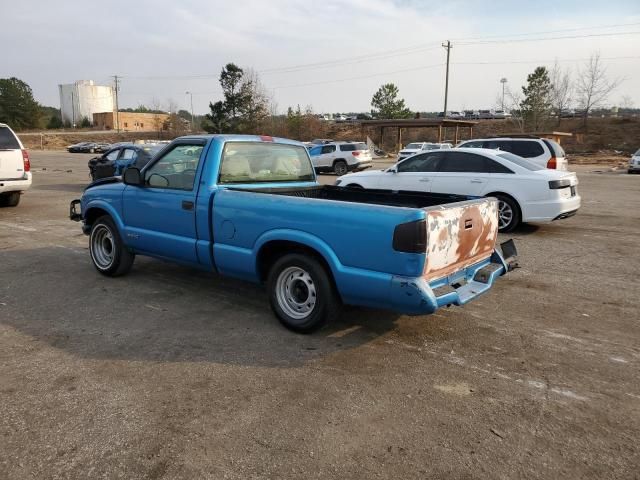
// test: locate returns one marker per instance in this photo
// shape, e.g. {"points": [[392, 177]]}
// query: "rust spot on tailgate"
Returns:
{"points": [[459, 236]]}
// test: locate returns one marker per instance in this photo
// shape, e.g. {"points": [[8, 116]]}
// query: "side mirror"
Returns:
{"points": [[392, 170], [132, 176]]}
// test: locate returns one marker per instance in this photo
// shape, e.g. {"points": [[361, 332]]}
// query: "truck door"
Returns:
{"points": [[160, 216]]}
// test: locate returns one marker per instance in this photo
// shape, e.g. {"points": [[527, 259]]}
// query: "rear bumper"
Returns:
{"points": [[548, 211], [15, 184], [416, 296]]}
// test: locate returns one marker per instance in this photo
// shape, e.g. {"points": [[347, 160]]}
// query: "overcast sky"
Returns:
{"points": [[164, 48]]}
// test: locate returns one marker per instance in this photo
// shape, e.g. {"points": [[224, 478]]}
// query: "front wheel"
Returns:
{"points": [[301, 293], [508, 213], [108, 253]]}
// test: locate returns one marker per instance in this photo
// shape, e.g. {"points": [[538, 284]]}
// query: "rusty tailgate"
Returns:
{"points": [[460, 235]]}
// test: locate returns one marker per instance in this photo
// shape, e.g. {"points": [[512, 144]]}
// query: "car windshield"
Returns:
{"points": [[8, 140], [253, 162], [522, 162], [413, 146], [637, 153]]}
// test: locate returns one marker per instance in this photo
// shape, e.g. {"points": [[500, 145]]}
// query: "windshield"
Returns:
{"points": [[260, 162], [522, 162], [413, 146], [637, 153]]}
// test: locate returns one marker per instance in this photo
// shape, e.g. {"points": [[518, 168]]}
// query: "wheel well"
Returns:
{"points": [[354, 185], [272, 251], [93, 214], [339, 160], [493, 194]]}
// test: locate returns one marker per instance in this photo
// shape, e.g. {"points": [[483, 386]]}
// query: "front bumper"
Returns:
{"points": [[74, 213], [416, 296]]}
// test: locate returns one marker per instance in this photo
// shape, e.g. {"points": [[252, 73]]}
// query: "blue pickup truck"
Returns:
{"points": [[250, 207]]}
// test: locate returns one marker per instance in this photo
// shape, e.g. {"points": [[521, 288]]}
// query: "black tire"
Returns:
{"points": [[340, 167], [302, 275], [506, 204], [11, 199], [106, 249]]}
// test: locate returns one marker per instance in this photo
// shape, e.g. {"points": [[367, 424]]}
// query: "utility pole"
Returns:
{"points": [[503, 80], [191, 95], [448, 46], [73, 111], [115, 77]]}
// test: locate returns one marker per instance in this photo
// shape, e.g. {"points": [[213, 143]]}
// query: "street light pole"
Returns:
{"points": [[191, 95], [503, 80]]}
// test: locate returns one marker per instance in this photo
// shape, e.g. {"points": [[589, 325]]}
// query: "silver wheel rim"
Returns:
{"points": [[296, 292], [102, 247], [505, 213], [341, 168]]}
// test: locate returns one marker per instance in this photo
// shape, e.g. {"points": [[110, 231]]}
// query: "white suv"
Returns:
{"points": [[15, 174], [340, 157], [542, 151], [413, 148], [634, 162]]}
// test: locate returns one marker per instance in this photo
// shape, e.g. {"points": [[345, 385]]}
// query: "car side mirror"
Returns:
{"points": [[392, 170], [132, 176]]}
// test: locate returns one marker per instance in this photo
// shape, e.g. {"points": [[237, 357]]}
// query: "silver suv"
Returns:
{"points": [[542, 151], [340, 157], [15, 168]]}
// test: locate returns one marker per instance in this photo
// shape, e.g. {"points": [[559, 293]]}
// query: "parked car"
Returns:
{"points": [[321, 141], [83, 147], [526, 191], [546, 153], [413, 148], [250, 207], [634, 163], [341, 157], [485, 114], [471, 114], [103, 147], [15, 168], [455, 115], [113, 162]]}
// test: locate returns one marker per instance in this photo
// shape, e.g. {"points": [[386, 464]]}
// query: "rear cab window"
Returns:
{"points": [[260, 162], [8, 141]]}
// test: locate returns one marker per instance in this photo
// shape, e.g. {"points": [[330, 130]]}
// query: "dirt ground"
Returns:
{"points": [[174, 373]]}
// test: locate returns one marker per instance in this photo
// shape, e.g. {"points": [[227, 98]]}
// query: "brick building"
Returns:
{"points": [[131, 122]]}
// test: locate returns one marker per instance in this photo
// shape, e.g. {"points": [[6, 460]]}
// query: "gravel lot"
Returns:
{"points": [[174, 373]]}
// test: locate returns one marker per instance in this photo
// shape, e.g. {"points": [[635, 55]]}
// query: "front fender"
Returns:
{"points": [[101, 205]]}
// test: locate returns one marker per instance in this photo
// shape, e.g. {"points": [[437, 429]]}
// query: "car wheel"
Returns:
{"points": [[508, 213], [340, 167], [108, 253], [11, 199], [301, 293]]}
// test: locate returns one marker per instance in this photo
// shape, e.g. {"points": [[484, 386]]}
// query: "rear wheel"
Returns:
{"points": [[301, 293], [508, 213], [11, 199], [108, 253], [340, 167]]}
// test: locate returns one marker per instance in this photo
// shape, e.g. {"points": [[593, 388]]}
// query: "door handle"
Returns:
{"points": [[425, 179], [187, 205], [476, 180]]}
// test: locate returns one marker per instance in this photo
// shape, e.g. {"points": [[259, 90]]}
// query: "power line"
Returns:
{"points": [[335, 80], [526, 62], [540, 39]]}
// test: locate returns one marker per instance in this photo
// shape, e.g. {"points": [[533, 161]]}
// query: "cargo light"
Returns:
{"points": [[25, 160]]}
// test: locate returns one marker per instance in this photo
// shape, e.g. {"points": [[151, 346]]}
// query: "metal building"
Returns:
{"points": [[82, 99]]}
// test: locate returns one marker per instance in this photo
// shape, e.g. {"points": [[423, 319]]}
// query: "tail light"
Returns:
{"points": [[552, 163], [411, 237], [558, 184], [266, 138], [25, 160], [355, 154]]}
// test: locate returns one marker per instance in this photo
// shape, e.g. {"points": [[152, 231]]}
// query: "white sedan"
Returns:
{"points": [[526, 192]]}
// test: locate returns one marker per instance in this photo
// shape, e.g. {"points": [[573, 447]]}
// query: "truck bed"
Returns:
{"points": [[370, 196]]}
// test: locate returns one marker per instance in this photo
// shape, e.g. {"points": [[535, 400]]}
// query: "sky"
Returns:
{"points": [[331, 56]]}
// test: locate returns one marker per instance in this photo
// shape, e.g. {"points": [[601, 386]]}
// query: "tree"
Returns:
{"points": [[17, 105], [592, 86], [536, 105], [294, 122], [386, 104], [244, 106], [85, 123], [561, 90], [54, 122]]}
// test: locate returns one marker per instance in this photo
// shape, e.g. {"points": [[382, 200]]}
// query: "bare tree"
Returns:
{"points": [[157, 119], [512, 101], [257, 108], [626, 102], [561, 90], [592, 86], [175, 124]]}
